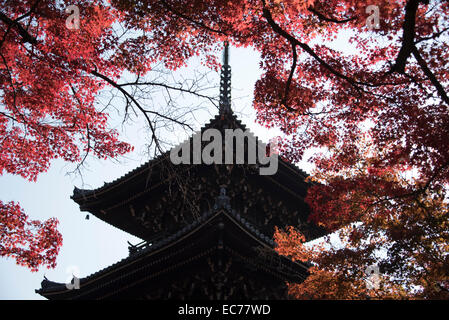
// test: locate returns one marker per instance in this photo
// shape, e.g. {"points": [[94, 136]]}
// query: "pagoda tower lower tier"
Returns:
{"points": [[219, 256], [206, 229]]}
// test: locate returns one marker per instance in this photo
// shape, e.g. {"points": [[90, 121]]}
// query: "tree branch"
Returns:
{"points": [[158, 84], [126, 94], [324, 18], [276, 28], [408, 36], [140, 107], [23, 33], [290, 77], [183, 16], [433, 36], [422, 63]]}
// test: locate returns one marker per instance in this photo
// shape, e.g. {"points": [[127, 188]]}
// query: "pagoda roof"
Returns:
{"points": [[137, 183], [83, 195], [150, 180], [183, 240], [293, 271]]}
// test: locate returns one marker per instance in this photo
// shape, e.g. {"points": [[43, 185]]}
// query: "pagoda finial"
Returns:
{"points": [[225, 82]]}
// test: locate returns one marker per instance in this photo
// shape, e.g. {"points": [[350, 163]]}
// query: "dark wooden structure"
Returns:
{"points": [[207, 229]]}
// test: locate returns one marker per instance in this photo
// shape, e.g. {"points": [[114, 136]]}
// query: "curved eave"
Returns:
{"points": [[54, 290]]}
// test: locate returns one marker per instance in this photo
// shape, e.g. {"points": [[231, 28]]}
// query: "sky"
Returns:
{"points": [[91, 245]]}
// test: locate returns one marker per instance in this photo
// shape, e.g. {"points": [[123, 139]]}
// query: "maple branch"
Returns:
{"points": [[358, 85], [416, 192], [289, 80], [14, 95], [33, 7], [141, 108], [9, 116], [276, 28], [22, 31], [158, 84], [200, 24], [119, 86], [433, 36], [78, 167], [422, 63], [126, 94], [324, 18], [408, 36]]}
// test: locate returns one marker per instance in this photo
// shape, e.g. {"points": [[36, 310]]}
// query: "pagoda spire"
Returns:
{"points": [[225, 82]]}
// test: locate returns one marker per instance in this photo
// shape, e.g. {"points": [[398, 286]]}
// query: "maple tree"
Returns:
{"points": [[378, 109], [52, 69], [30, 243], [48, 112]]}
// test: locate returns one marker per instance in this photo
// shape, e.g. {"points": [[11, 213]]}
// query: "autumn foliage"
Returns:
{"points": [[371, 99], [30, 243], [48, 106]]}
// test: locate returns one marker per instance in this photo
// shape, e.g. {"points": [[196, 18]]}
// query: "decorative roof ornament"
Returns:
{"points": [[222, 201], [225, 82]]}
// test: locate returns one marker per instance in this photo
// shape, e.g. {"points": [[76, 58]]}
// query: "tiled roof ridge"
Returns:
{"points": [[164, 242]]}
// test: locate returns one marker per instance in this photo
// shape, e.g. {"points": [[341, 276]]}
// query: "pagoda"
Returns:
{"points": [[207, 229]]}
